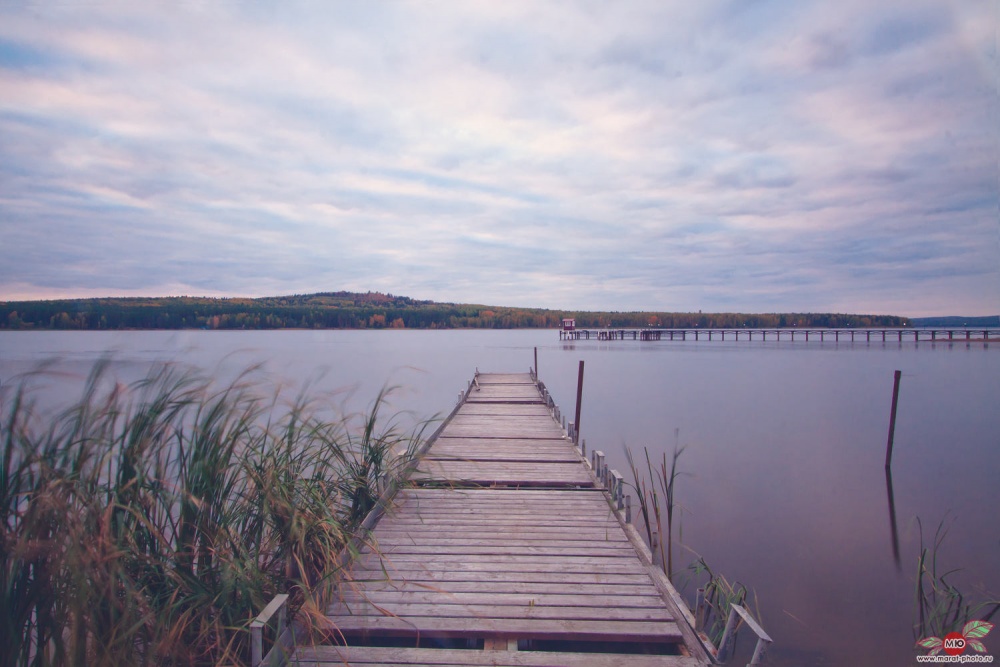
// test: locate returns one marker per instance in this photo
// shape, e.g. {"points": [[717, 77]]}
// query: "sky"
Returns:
{"points": [[718, 155]]}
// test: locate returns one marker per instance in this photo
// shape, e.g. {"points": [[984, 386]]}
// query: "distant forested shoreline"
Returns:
{"points": [[370, 310]]}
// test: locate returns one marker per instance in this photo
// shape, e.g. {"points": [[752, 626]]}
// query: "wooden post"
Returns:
{"points": [[892, 418], [536, 364], [628, 508], [699, 609], [654, 549], [894, 532], [616, 490], [579, 399], [728, 636], [277, 605], [759, 652]]}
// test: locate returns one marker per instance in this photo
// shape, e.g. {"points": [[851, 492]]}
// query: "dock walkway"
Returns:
{"points": [[505, 550]]}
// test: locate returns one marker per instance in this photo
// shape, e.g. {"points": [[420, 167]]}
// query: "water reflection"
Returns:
{"points": [[892, 518]]}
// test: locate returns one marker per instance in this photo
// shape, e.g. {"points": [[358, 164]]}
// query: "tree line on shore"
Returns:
{"points": [[372, 310]]}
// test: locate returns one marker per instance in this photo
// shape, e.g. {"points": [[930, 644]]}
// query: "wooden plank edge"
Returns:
{"points": [[368, 655]]}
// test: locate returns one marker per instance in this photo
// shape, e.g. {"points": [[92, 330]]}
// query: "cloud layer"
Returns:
{"points": [[752, 156]]}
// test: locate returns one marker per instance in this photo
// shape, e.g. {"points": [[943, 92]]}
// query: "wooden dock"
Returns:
{"points": [[915, 334], [505, 549]]}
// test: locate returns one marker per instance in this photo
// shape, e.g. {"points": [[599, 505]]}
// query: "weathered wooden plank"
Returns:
{"points": [[487, 495], [412, 574], [503, 418], [457, 548], [403, 568], [541, 628], [435, 504], [510, 409], [445, 609], [515, 430], [495, 450], [371, 656], [488, 588], [511, 473], [534, 457], [515, 513], [510, 561], [540, 538], [575, 599], [533, 518], [534, 498], [505, 378], [486, 551], [482, 441], [569, 518], [473, 446], [504, 391]]}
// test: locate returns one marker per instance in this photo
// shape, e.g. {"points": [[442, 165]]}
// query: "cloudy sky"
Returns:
{"points": [[658, 155]]}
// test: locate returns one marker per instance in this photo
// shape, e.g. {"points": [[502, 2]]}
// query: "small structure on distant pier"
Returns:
{"points": [[568, 324]]}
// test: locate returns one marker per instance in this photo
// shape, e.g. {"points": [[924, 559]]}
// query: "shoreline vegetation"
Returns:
{"points": [[374, 310], [149, 523]]}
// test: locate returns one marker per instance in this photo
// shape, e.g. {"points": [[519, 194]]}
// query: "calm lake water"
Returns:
{"points": [[784, 490]]}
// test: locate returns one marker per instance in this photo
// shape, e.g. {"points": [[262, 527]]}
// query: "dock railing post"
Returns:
{"points": [[617, 490], [277, 605], [728, 636]]}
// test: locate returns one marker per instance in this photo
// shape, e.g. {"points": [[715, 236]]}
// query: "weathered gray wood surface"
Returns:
{"points": [[503, 537], [336, 656]]}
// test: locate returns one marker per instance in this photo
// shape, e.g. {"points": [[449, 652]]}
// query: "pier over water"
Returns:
{"points": [[900, 334], [505, 548]]}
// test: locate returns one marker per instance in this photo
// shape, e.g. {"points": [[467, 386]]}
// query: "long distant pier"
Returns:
{"points": [[787, 333], [506, 548]]}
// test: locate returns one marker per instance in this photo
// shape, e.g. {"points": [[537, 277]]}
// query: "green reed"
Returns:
{"points": [[149, 523], [659, 486], [940, 607]]}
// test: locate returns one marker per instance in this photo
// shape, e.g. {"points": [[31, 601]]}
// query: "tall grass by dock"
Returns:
{"points": [[656, 494], [149, 523]]}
